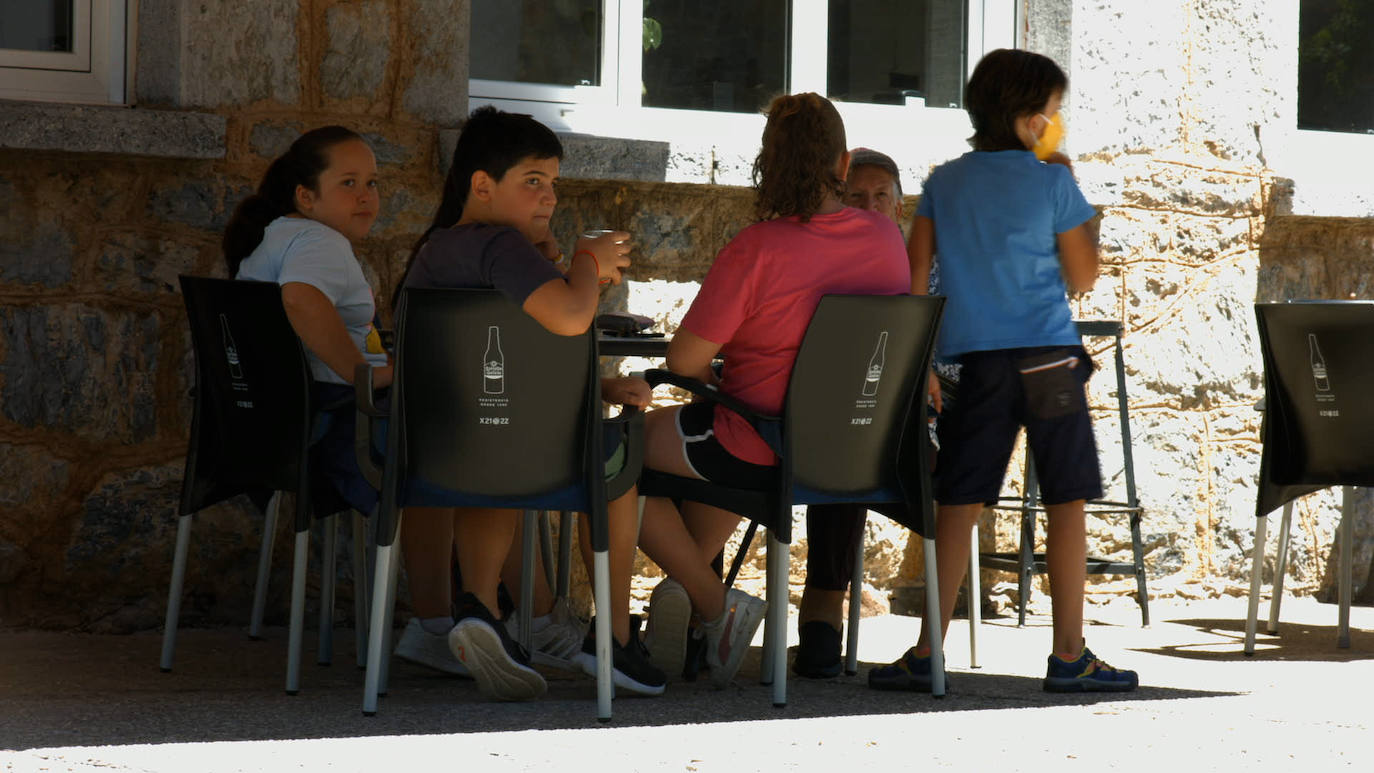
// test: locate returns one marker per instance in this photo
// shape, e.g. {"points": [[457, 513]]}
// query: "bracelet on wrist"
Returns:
{"points": [[595, 262]]}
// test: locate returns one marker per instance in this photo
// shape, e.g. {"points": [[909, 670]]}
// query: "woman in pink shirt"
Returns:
{"points": [[753, 309]]}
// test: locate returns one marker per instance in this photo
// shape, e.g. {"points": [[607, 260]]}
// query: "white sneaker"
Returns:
{"points": [[558, 643], [670, 614], [428, 649], [728, 638]]}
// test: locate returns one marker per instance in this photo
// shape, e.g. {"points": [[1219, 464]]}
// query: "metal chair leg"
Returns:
{"points": [[380, 592], [1343, 586], [975, 600], [856, 595], [169, 627], [529, 533], [269, 533], [937, 644], [389, 614], [565, 540], [766, 661], [1132, 500], [546, 548], [324, 654], [601, 585], [1032, 494], [297, 630], [1256, 565], [777, 615], [360, 588], [1280, 568]]}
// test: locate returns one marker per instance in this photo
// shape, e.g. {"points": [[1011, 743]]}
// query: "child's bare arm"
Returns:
{"points": [[690, 355], [920, 251], [567, 306], [1078, 256], [317, 323]]}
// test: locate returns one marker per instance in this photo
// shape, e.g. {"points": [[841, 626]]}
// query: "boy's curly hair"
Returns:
{"points": [[795, 168], [1008, 84]]}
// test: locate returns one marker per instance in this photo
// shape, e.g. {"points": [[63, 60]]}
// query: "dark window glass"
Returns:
{"points": [[727, 55], [537, 41], [36, 25], [882, 51], [1336, 65]]}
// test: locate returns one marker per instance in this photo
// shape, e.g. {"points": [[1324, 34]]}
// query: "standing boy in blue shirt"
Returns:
{"points": [[1014, 236]]}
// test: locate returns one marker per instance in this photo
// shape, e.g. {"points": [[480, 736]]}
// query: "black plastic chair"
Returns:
{"points": [[489, 409], [853, 431], [1318, 426], [250, 430]]}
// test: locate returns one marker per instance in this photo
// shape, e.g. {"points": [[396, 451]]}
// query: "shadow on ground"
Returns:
{"points": [[1294, 642], [86, 690]]}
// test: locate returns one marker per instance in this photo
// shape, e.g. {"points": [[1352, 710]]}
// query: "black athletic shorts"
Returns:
{"points": [[1000, 391]]}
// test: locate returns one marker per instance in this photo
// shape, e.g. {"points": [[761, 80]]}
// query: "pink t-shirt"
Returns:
{"points": [[760, 293]]}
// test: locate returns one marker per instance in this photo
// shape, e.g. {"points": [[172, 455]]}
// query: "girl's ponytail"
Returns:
{"points": [[302, 164], [795, 168]]}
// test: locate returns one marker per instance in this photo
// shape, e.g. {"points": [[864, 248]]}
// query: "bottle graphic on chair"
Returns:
{"points": [[494, 364], [875, 366], [1319, 379], [231, 352]]}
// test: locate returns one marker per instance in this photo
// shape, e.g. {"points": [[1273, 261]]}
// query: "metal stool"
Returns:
{"points": [[1026, 561]]}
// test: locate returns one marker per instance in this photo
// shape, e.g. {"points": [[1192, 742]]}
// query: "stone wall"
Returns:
{"points": [[95, 361]]}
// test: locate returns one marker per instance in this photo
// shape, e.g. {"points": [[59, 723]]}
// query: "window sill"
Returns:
{"points": [[119, 130]]}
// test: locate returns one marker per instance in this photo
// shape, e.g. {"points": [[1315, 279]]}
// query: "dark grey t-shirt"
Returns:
{"points": [[478, 255]]}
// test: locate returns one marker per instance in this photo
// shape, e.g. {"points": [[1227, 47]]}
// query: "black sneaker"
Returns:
{"points": [[500, 665], [818, 651], [630, 666], [910, 672]]}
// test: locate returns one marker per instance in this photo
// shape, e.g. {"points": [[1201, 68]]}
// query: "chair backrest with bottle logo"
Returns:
{"points": [[250, 420], [1319, 422], [490, 403], [855, 414]]}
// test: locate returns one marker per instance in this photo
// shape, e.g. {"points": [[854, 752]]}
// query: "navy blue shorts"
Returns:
{"points": [[1000, 391]]}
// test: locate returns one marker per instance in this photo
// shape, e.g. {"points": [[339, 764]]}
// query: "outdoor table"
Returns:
{"points": [[633, 346]]}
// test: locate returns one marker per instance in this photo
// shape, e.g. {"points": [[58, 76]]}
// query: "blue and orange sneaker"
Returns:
{"points": [[1087, 674], [910, 672]]}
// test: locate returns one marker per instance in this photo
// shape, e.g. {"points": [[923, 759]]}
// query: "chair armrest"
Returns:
{"points": [[362, 432], [631, 423], [768, 427]]}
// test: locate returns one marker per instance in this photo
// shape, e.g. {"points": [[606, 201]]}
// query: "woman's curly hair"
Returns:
{"points": [[795, 168]]}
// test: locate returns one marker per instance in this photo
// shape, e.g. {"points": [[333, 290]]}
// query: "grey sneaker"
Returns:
{"points": [[558, 643], [670, 614], [428, 649], [728, 638]]}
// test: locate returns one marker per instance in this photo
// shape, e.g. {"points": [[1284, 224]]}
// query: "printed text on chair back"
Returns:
{"points": [[1319, 374], [252, 384], [858, 371], [494, 403]]}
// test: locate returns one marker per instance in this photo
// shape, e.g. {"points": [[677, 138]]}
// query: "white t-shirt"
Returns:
{"points": [[297, 249]]}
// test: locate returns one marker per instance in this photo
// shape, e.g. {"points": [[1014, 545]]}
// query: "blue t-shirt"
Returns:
{"points": [[996, 217], [298, 249]]}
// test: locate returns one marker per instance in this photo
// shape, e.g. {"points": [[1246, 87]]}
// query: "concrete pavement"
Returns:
{"points": [[86, 702]]}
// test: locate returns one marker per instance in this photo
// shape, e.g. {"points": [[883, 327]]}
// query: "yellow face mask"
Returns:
{"points": [[1049, 141]]}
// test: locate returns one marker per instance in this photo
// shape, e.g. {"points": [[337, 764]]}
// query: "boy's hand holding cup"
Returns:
{"points": [[611, 249]]}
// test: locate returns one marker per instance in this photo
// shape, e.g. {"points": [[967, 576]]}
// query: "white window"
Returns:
{"points": [[64, 50], [665, 68], [1336, 66], [1323, 139]]}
